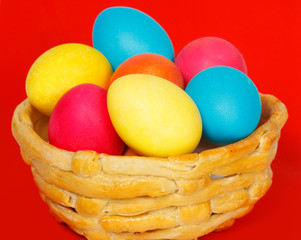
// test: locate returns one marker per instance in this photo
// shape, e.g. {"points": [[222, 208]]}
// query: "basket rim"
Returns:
{"points": [[29, 140]]}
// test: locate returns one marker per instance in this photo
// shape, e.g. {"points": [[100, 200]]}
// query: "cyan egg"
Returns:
{"points": [[228, 101], [122, 32]]}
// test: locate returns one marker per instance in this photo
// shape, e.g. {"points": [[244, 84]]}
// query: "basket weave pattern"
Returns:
{"points": [[131, 197]]}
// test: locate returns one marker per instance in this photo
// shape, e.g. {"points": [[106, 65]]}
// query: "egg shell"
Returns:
{"points": [[130, 152], [228, 101], [154, 117], [122, 32], [207, 52], [152, 64], [61, 68], [80, 121]]}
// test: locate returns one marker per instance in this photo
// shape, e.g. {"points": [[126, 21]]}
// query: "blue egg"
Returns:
{"points": [[122, 32], [228, 101]]}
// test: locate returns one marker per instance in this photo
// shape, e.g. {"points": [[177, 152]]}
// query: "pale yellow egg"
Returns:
{"points": [[62, 68], [153, 116]]}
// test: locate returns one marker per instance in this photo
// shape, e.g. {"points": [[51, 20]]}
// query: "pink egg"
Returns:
{"points": [[208, 52], [80, 121]]}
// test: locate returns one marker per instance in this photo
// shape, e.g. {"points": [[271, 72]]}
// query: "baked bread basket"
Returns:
{"points": [[134, 197]]}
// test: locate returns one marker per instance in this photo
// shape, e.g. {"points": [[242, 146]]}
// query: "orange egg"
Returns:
{"points": [[151, 64], [130, 152]]}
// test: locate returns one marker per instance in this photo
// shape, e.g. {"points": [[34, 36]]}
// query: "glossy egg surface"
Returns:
{"points": [[61, 68], [207, 52], [154, 117], [122, 32], [228, 101], [80, 121], [152, 64]]}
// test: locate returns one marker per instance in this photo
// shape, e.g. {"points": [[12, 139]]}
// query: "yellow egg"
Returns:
{"points": [[62, 68], [153, 116]]}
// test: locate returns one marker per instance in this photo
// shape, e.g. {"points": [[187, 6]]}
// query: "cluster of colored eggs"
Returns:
{"points": [[129, 90]]}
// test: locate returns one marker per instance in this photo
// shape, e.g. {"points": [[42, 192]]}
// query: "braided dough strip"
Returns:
{"points": [[186, 187], [188, 175], [181, 216], [135, 206], [160, 219], [155, 186], [75, 221], [87, 207], [105, 186], [189, 166], [256, 161], [56, 194], [217, 187], [185, 232]]}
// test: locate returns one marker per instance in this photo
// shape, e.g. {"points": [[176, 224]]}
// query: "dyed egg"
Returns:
{"points": [[130, 152], [80, 121], [122, 32], [152, 64], [60, 69], [228, 101], [153, 116], [208, 52]]}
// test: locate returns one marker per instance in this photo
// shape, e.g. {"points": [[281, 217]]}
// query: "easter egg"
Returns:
{"points": [[208, 52], [130, 152], [154, 117], [228, 101], [122, 32], [80, 121], [61, 68], [152, 64]]}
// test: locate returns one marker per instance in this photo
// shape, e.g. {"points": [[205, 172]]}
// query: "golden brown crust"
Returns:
{"points": [[135, 197]]}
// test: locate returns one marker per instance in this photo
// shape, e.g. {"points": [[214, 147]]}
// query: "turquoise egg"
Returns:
{"points": [[228, 101], [122, 32]]}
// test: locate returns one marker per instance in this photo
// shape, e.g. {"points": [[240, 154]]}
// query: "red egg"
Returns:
{"points": [[151, 64], [207, 52], [80, 121]]}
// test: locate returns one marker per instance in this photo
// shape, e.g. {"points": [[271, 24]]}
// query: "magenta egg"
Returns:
{"points": [[207, 52], [80, 121]]}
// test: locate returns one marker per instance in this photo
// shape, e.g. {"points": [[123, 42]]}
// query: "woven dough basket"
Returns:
{"points": [[133, 197]]}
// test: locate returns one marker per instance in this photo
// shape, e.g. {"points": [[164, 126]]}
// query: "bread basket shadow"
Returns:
{"points": [[134, 197]]}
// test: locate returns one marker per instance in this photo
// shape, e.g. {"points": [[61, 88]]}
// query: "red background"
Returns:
{"points": [[268, 34]]}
